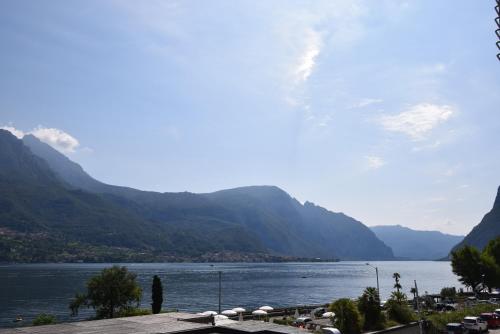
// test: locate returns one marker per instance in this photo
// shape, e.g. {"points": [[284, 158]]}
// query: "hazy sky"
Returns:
{"points": [[388, 111]]}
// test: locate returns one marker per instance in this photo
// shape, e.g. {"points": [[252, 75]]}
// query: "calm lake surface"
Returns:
{"points": [[32, 289]]}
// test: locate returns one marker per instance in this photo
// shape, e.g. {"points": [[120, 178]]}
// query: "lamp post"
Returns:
{"points": [[376, 271], [220, 289]]}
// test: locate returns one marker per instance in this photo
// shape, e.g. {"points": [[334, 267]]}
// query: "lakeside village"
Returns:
{"points": [[115, 296]]}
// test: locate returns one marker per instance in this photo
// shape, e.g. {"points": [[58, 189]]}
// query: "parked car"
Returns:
{"points": [[330, 330], [455, 328], [302, 321], [475, 324], [445, 307], [497, 311], [318, 312], [492, 319]]}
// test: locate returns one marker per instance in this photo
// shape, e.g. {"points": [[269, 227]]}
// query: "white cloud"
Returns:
{"points": [[418, 120], [307, 59], [375, 162], [16, 132], [58, 139], [366, 102]]}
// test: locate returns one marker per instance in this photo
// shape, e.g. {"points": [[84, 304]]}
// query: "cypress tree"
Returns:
{"points": [[157, 295]]}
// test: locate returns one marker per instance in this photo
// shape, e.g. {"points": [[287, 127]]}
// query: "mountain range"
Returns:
{"points": [[52, 210], [409, 244]]}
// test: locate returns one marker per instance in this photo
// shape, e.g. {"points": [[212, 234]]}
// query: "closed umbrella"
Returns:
{"points": [[296, 315], [229, 313], [266, 308], [328, 315]]}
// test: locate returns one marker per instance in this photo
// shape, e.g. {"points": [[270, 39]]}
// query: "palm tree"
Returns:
{"points": [[413, 291], [396, 277]]}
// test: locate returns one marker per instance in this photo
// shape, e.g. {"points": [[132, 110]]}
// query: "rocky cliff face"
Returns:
{"points": [[487, 229]]}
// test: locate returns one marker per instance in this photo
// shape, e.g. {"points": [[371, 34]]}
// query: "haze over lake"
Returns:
{"points": [[32, 289]]}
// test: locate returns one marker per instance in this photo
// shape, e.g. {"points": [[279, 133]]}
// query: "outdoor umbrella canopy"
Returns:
{"points": [[220, 317], [239, 309], [229, 313], [259, 312], [209, 313], [266, 308], [328, 315]]}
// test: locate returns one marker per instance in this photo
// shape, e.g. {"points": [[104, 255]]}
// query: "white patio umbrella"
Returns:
{"points": [[240, 318], [328, 315], [296, 314], [229, 313], [259, 312], [220, 317], [239, 309], [209, 313], [266, 308]]}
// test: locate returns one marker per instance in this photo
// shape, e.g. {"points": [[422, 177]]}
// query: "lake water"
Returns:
{"points": [[36, 288]]}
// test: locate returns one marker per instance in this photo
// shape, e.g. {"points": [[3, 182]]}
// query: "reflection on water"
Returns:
{"points": [[36, 288]]}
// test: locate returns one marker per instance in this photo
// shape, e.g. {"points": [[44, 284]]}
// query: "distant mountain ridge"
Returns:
{"points": [[79, 214], [416, 245], [486, 230]]}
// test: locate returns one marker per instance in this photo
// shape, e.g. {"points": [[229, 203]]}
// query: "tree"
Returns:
{"points": [[413, 291], [114, 290], [490, 272], [399, 297], [448, 293], [396, 277], [478, 270], [369, 306], [347, 318], [466, 264], [157, 295], [493, 249]]}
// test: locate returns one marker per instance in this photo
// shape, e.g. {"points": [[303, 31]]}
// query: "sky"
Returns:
{"points": [[388, 111]]}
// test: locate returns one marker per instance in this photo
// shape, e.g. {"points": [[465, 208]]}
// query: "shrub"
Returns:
{"points": [[347, 318], [44, 319], [132, 312], [400, 312]]}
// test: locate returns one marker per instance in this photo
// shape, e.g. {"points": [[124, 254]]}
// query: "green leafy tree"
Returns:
{"points": [[347, 317], [448, 293], [493, 249], [113, 291], [397, 285], [369, 306], [157, 295], [466, 264], [490, 271], [44, 319]]}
